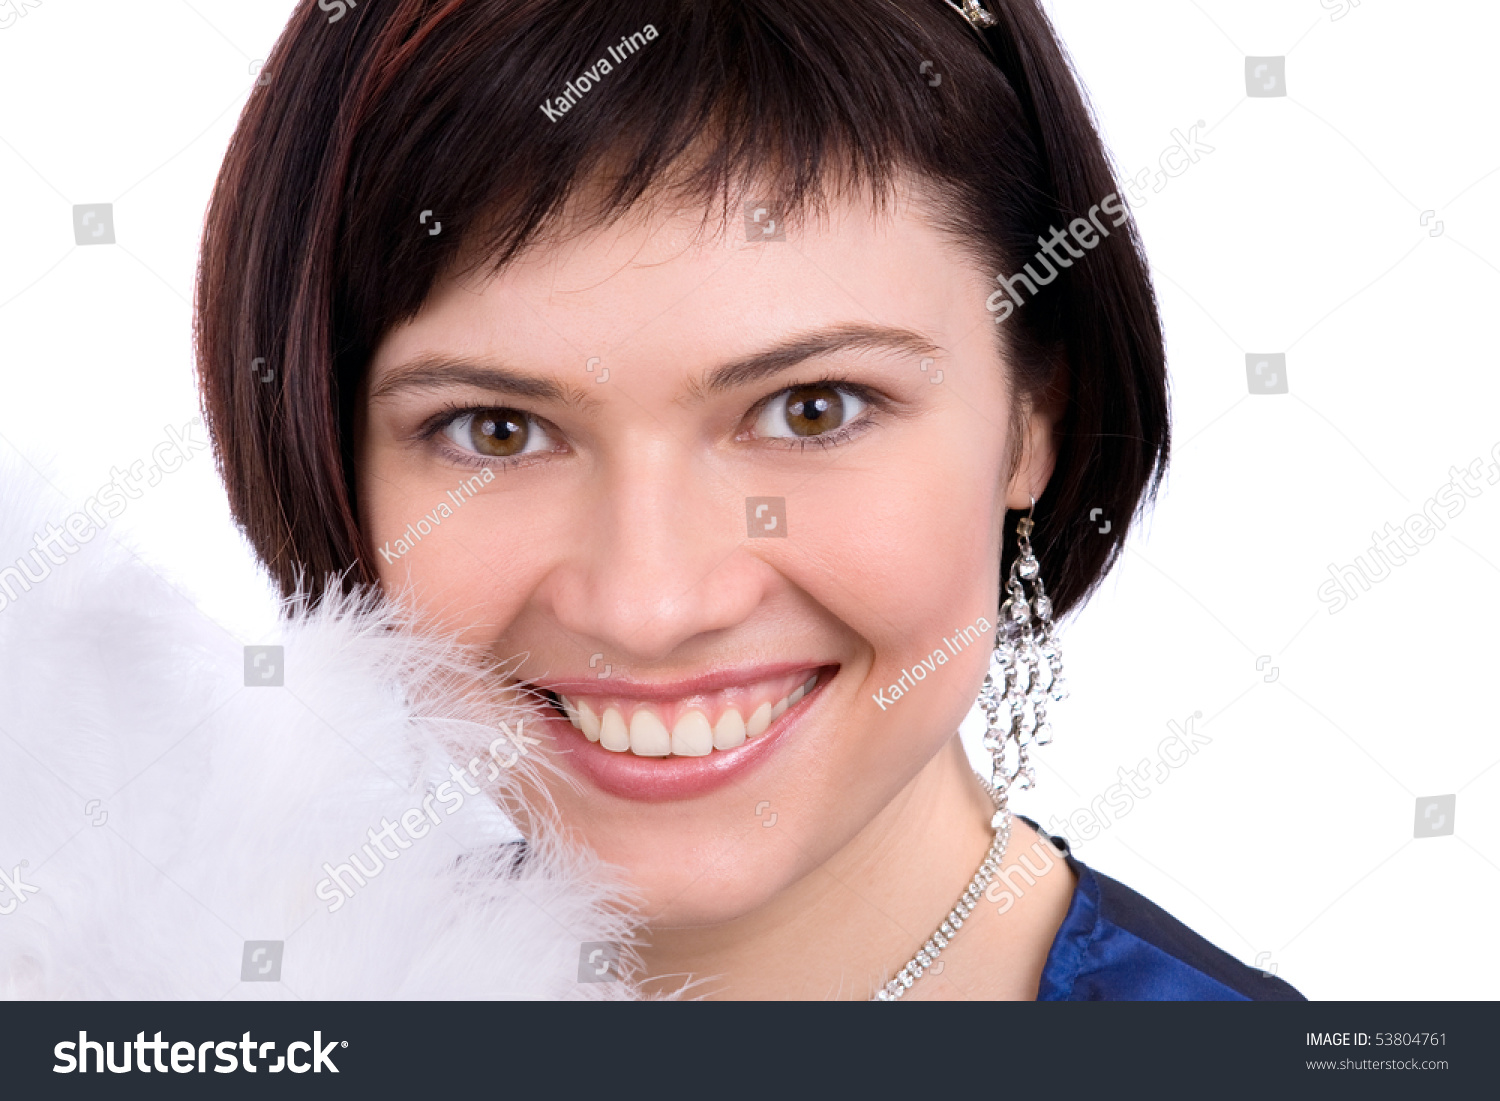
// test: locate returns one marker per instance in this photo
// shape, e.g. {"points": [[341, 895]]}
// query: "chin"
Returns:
{"points": [[703, 887]]}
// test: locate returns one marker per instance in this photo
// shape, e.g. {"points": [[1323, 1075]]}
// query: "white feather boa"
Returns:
{"points": [[218, 805]]}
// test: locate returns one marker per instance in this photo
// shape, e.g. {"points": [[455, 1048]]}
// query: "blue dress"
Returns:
{"points": [[1114, 945]]}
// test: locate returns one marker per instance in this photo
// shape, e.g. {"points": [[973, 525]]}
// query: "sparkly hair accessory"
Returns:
{"points": [[974, 12]]}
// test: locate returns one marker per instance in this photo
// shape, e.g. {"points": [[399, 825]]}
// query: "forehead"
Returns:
{"points": [[678, 286]]}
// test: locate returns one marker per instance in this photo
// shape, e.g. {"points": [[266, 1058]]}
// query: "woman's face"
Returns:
{"points": [[691, 475]]}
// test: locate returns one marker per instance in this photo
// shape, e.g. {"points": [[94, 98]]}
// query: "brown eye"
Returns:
{"points": [[497, 433], [805, 412], [813, 410]]}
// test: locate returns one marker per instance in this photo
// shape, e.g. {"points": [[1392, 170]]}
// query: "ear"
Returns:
{"points": [[1038, 449]]}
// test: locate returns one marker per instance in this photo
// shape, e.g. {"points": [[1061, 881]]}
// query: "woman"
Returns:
{"points": [[661, 343]]}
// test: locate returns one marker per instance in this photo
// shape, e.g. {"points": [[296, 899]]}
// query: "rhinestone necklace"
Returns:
{"points": [[927, 955]]}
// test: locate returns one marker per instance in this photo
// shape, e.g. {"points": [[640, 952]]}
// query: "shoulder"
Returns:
{"points": [[1116, 945]]}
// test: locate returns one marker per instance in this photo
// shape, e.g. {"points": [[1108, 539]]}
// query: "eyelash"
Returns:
{"points": [[875, 401], [437, 424]]}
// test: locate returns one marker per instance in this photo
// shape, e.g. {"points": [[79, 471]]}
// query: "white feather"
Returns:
{"points": [[220, 804]]}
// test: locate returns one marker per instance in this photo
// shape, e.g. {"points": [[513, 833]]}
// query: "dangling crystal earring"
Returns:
{"points": [[1022, 650], [1029, 662]]}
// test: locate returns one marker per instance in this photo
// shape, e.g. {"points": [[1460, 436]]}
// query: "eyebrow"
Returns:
{"points": [[436, 371], [809, 345], [433, 371]]}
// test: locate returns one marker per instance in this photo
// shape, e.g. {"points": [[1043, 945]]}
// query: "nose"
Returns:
{"points": [[659, 556]]}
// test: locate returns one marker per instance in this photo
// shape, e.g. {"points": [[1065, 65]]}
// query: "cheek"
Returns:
{"points": [[905, 554], [907, 558], [448, 542]]}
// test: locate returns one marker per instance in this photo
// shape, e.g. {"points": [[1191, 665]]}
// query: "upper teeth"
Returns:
{"points": [[692, 735]]}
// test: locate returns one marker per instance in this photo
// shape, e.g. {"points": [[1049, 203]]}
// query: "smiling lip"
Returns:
{"points": [[664, 778]]}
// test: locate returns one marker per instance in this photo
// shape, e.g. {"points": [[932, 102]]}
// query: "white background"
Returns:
{"points": [[1289, 836]]}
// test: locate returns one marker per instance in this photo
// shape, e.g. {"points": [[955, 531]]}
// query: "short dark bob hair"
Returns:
{"points": [[313, 247]]}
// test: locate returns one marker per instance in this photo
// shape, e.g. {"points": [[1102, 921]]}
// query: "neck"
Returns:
{"points": [[844, 928]]}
